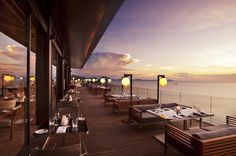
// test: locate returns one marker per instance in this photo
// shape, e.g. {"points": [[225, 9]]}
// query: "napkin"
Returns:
{"points": [[61, 129], [198, 113], [178, 116]]}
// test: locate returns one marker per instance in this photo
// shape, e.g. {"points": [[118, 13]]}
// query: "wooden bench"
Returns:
{"points": [[122, 105], [192, 145]]}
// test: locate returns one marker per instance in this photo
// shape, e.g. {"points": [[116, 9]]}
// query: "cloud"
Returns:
{"points": [[167, 68], [107, 63], [14, 52], [203, 77], [148, 65], [108, 60], [13, 60]]}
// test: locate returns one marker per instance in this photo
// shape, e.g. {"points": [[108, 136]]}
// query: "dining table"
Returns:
{"points": [[63, 133], [184, 114]]}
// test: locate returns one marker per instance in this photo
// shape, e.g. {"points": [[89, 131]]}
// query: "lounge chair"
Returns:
{"points": [[230, 122], [210, 143], [122, 105]]}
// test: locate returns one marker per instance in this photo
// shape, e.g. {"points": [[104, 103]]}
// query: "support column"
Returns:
{"points": [[69, 76], [27, 103], [66, 77], [44, 78], [59, 78]]}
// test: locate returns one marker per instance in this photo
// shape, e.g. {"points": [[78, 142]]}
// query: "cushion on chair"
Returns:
{"points": [[147, 101], [195, 130], [148, 118], [217, 127], [215, 133], [146, 107], [169, 105]]}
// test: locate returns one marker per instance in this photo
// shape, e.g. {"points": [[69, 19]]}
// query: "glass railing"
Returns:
{"points": [[219, 106]]}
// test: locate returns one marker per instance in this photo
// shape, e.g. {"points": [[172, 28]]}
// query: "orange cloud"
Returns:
{"points": [[14, 60], [106, 63]]}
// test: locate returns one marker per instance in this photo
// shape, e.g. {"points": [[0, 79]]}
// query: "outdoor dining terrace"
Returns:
{"points": [[56, 116], [107, 134]]}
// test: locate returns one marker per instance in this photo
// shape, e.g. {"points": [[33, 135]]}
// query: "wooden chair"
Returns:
{"points": [[208, 143], [59, 145], [8, 104], [230, 122], [9, 120]]}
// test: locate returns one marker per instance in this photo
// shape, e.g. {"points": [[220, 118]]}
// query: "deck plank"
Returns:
{"points": [[109, 136]]}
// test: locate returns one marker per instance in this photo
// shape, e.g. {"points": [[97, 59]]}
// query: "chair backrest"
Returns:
{"points": [[8, 104], [231, 121], [59, 145]]}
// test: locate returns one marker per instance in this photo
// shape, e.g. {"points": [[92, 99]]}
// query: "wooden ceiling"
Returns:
{"points": [[81, 24], [78, 25]]}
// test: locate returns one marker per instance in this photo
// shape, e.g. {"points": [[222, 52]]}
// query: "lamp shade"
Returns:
{"points": [[21, 78], [163, 82], [109, 80], [8, 78], [89, 80], [125, 81], [73, 78], [102, 80], [32, 78], [93, 80]]}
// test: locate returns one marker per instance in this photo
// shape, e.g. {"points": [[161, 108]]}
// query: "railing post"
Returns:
{"points": [[180, 97], [160, 96], [210, 106]]}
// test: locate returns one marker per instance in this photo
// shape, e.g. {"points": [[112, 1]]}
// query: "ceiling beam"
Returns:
{"points": [[57, 47], [18, 13], [37, 13]]}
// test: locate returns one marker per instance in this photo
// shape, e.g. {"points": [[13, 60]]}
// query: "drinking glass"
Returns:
{"points": [[74, 123]]}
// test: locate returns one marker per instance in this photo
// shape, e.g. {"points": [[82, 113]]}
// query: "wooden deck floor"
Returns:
{"points": [[110, 137]]}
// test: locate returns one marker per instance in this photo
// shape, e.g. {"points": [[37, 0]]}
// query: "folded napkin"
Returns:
{"points": [[178, 116], [199, 113], [209, 113], [61, 129]]}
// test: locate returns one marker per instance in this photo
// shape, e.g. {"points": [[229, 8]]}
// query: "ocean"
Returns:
{"points": [[218, 98], [218, 89]]}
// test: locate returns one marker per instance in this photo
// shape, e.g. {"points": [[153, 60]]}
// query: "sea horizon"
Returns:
{"points": [[205, 88]]}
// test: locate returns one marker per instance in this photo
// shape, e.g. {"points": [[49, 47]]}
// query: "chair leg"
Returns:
{"points": [[12, 131], [165, 148]]}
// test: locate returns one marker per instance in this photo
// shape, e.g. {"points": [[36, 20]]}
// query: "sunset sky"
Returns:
{"points": [[188, 40], [185, 39]]}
